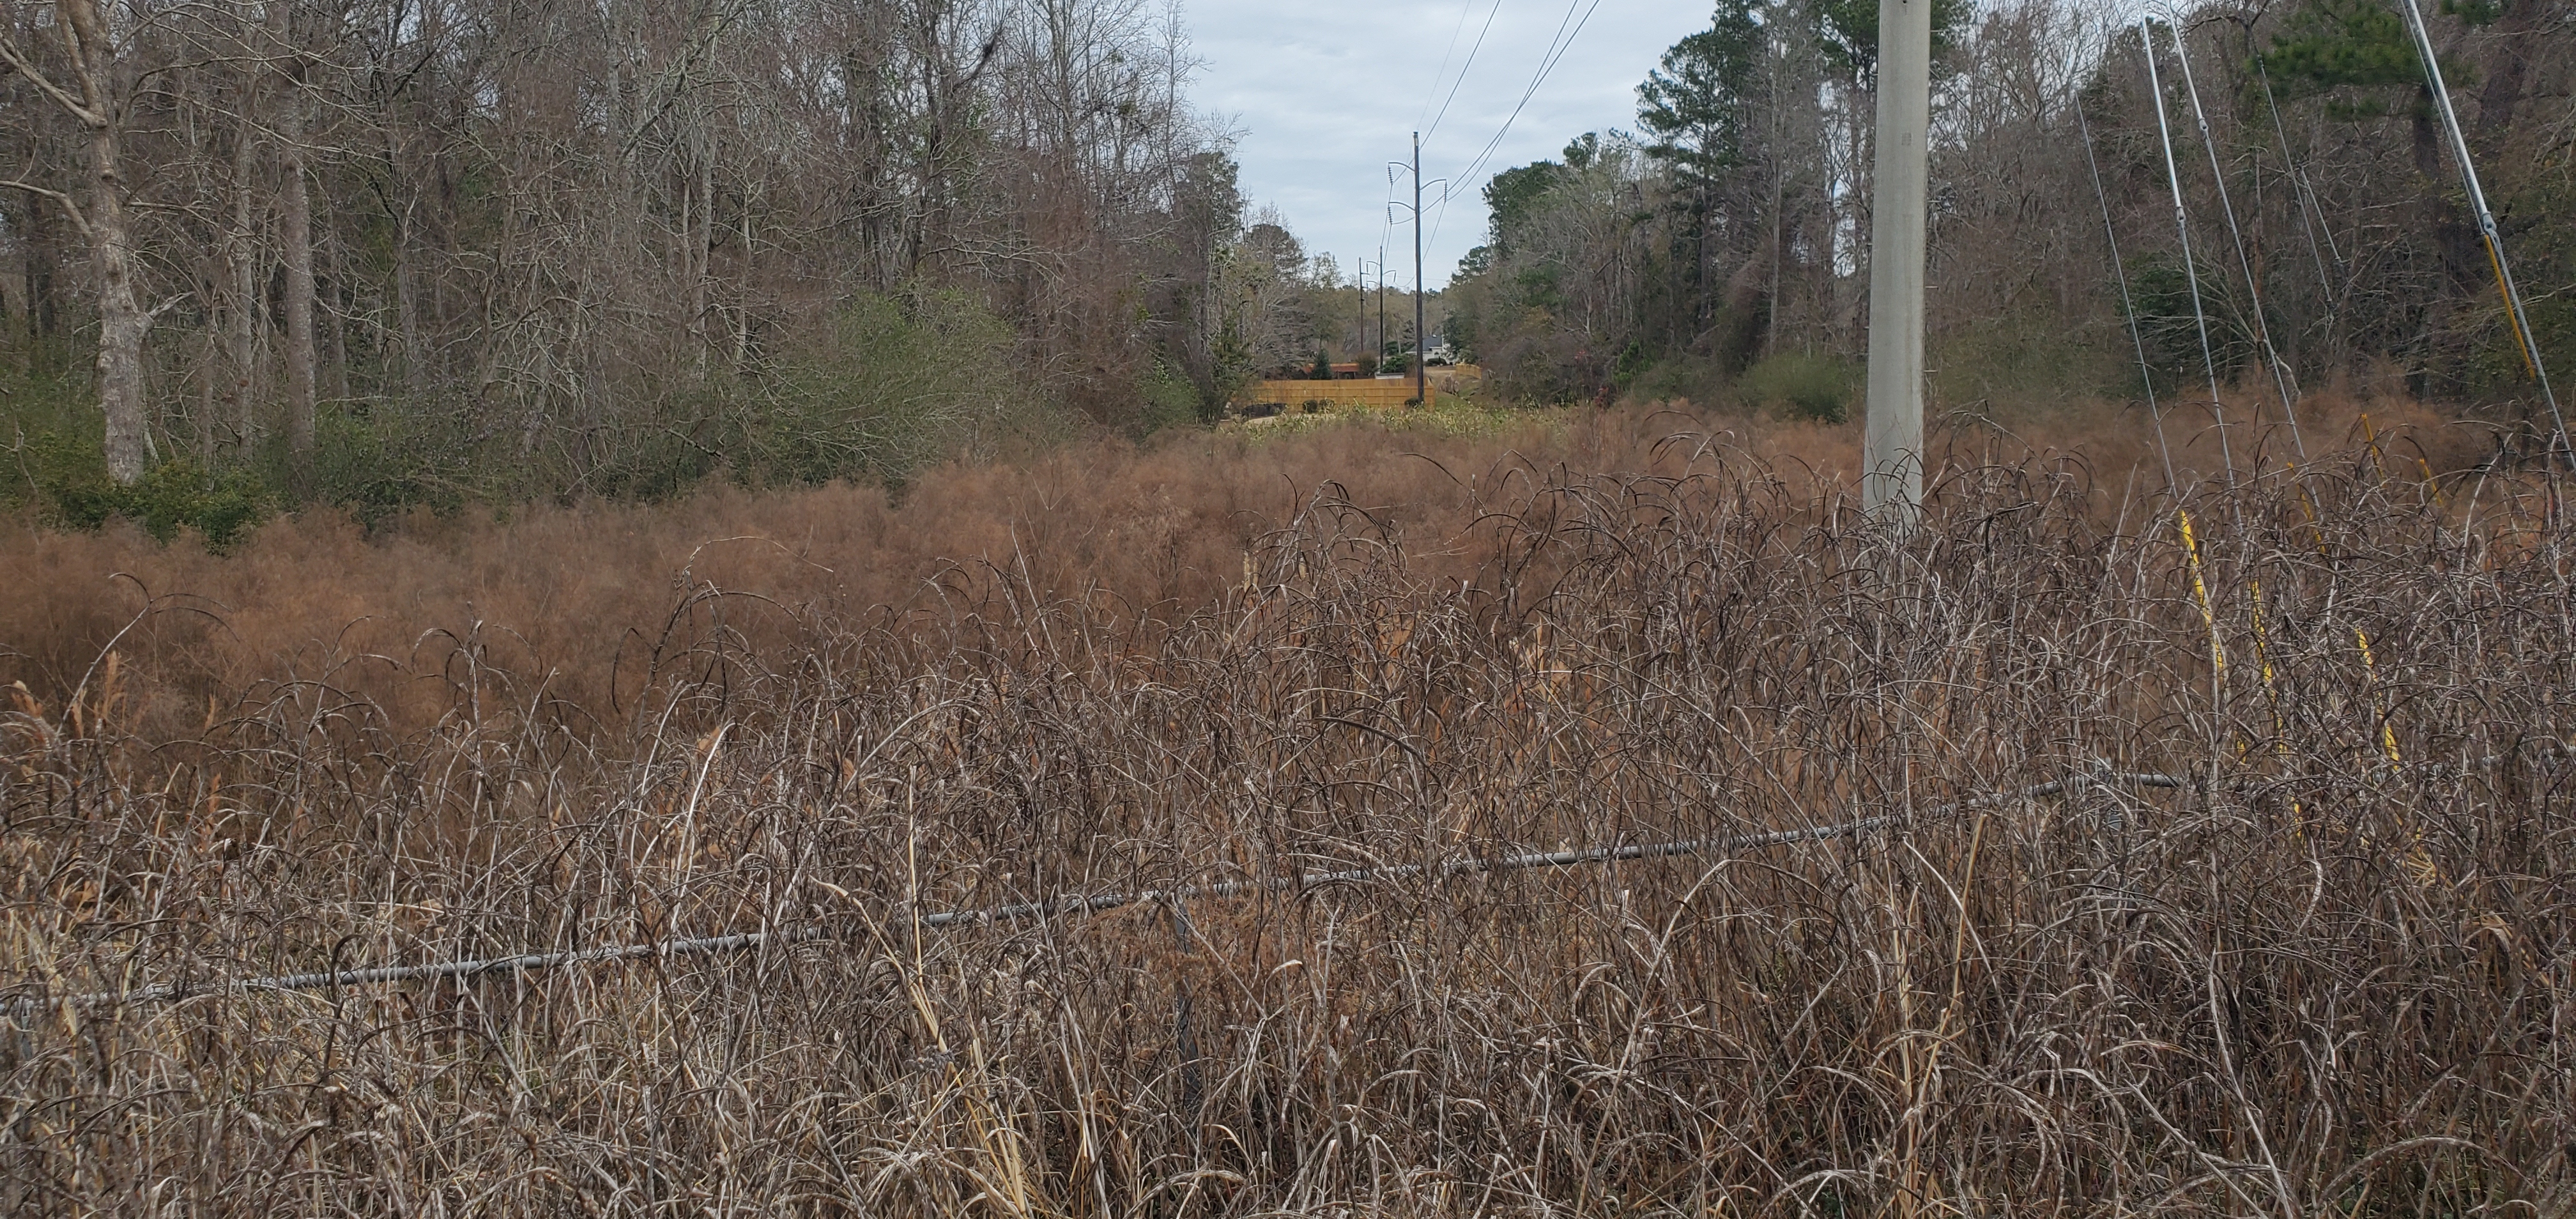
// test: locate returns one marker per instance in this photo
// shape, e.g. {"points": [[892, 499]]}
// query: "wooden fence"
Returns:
{"points": [[1292, 396]]}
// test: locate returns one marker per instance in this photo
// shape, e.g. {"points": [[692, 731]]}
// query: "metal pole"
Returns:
{"points": [[1421, 374], [1892, 477], [1380, 357]]}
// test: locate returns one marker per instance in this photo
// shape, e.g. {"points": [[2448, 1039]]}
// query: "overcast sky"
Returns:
{"points": [[1325, 92]]}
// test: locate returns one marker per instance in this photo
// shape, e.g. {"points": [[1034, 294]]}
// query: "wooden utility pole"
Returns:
{"points": [[1892, 473]]}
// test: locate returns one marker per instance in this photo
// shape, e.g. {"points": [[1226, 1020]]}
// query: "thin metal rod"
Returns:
{"points": [[1081, 904]]}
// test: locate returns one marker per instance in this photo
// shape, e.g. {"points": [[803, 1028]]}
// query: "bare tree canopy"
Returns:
{"points": [[578, 248], [396, 252]]}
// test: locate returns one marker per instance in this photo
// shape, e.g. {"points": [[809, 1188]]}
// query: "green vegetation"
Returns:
{"points": [[1804, 385], [60, 472], [889, 385]]}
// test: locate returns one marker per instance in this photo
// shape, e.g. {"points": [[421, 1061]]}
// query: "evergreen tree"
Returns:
{"points": [[1695, 105]]}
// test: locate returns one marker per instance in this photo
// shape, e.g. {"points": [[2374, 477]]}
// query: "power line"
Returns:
{"points": [[1443, 69], [1556, 51], [1463, 68], [1563, 42]]}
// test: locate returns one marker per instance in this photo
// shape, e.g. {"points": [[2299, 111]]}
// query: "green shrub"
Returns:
{"points": [[1803, 384], [74, 491], [50, 417], [376, 463], [1170, 399], [882, 387], [1679, 375], [2018, 364], [894, 384]]}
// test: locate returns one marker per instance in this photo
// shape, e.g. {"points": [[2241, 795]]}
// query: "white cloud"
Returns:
{"points": [[1327, 92]]}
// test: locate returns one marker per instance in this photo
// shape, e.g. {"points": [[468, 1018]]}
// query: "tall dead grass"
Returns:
{"points": [[574, 610], [2331, 976]]}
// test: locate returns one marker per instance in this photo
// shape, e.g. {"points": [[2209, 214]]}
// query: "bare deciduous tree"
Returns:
{"points": [[94, 60]]}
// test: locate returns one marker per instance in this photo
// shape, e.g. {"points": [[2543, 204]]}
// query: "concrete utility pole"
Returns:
{"points": [[1892, 473], [1422, 375]]}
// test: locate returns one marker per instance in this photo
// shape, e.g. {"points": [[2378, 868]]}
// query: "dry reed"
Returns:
{"points": [[2332, 976]]}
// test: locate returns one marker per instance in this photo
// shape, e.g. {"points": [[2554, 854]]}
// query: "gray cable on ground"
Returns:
{"points": [[1061, 906], [1094, 903]]}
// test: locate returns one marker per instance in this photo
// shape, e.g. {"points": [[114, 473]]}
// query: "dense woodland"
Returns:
{"points": [[390, 252], [383, 250]]}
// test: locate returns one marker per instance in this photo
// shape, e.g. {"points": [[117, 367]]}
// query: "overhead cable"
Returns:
{"points": [[1464, 68], [1563, 42]]}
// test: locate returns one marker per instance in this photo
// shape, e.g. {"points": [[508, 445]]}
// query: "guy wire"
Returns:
{"points": [[2522, 335], [2128, 305], [2306, 194], [2190, 266], [2147, 373], [2244, 262]]}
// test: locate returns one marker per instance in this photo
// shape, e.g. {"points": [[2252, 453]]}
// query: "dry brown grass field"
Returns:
{"points": [[2329, 974]]}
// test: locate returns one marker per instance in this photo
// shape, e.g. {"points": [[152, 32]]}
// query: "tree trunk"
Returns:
{"points": [[122, 320], [295, 234], [241, 262]]}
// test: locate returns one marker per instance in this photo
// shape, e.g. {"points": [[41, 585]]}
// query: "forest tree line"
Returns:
{"points": [[1722, 246], [400, 251], [391, 252]]}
